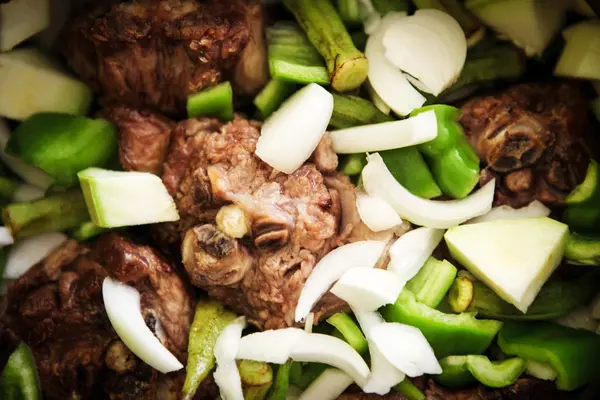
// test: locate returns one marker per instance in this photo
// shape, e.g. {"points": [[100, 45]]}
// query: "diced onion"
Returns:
{"points": [[387, 135], [227, 376], [26, 192], [28, 252], [376, 213], [328, 386], [378, 181], [272, 346], [410, 252], [367, 289], [364, 254], [291, 134], [6, 238], [532, 210], [376, 99], [406, 348], [308, 324], [122, 304]]}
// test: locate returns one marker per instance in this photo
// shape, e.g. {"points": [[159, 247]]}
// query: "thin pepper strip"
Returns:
{"points": [[19, 379], [350, 331], [463, 371], [583, 250], [256, 377], [281, 383]]}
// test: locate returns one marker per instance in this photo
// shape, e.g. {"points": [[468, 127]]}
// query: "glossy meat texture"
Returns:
{"points": [[57, 309], [535, 139], [154, 53]]}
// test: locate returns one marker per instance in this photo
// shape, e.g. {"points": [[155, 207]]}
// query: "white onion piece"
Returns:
{"points": [[363, 254], [291, 134], [410, 252], [308, 324], [122, 304], [376, 99], [387, 81], [367, 289], [376, 213], [27, 192], [272, 346], [406, 348], [6, 238], [227, 376], [532, 210], [429, 45], [387, 135], [328, 386], [378, 181], [28, 252]]}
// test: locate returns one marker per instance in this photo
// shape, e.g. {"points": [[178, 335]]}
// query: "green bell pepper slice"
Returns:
{"points": [[463, 371], [281, 383], [256, 378], [432, 282], [573, 353], [583, 250], [350, 331], [19, 379]]}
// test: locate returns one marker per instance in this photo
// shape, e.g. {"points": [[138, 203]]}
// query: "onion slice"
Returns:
{"points": [[378, 181], [532, 210], [227, 376], [364, 254], [28, 252], [122, 304], [272, 346], [387, 135], [6, 238], [291, 134], [376, 213], [328, 386], [406, 348], [367, 289], [410, 252]]}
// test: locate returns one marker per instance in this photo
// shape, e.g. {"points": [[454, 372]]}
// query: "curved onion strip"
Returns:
{"points": [[122, 304], [378, 181], [28, 252], [410, 252], [272, 346], [532, 210], [376, 213], [6, 238], [227, 376], [328, 386], [367, 289], [364, 254]]}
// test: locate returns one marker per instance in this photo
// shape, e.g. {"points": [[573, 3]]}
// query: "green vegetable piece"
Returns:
{"points": [[583, 203], [461, 294], [386, 6], [349, 11], [350, 330], [216, 101], [346, 65], [86, 231], [282, 381], [304, 375], [7, 187], [474, 30], [448, 334], [455, 372], [462, 371], [409, 391], [19, 379], [432, 282], [350, 111], [57, 212], [273, 95], [292, 58], [353, 164], [583, 218], [210, 319], [573, 353], [583, 250], [256, 377], [540, 370], [63, 144], [410, 169], [588, 190], [453, 161]]}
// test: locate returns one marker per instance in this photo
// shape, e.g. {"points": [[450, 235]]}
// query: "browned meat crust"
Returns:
{"points": [[535, 139], [57, 309], [154, 53]]}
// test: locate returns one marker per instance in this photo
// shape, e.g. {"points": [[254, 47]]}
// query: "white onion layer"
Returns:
{"points": [[367, 289], [28, 252], [328, 386], [376, 213], [6, 238], [532, 210], [410, 252], [272, 346], [227, 376]]}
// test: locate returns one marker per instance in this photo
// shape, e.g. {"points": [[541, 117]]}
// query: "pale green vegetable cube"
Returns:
{"points": [[21, 19]]}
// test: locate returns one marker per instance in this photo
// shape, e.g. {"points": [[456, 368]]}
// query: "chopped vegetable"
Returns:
{"points": [[461, 294], [26, 253], [116, 198], [583, 250], [63, 144], [350, 111], [216, 101], [572, 353], [353, 164], [19, 379], [232, 220], [21, 19], [447, 334], [540, 370], [583, 209], [273, 95], [303, 376], [5, 237], [8, 187], [367, 289], [453, 161], [432, 282], [292, 58], [409, 168], [227, 375], [409, 253], [430, 46], [378, 181], [513, 257], [346, 65], [462, 371], [587, 191], [532, 210], [26, 192], [350, 12], [387, 135], [290, 135], [408, 389], [86, 231], [257, 379], [30, 83], [328, 386], [363, 254], [530, 24], [580, 58], [281, 383], [122, 305], [210, 320], [349, 330], [376, 213], [57, 212]]}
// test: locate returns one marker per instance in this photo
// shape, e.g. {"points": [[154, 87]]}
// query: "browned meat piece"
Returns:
{"points": [[57, 309], [535, 139], [154, 53]]}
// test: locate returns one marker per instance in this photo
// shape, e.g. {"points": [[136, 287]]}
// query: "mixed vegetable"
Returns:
{"points": [[463, 290]]}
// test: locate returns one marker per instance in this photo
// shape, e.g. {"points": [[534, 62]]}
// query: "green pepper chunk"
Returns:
{"points": [[448, 334], [63, 144], [582, 250], [273, 95], [432, 282], [86, 231], [453, 161], [582, 212], [463, 371], [216, 101], [409, 391], [353, 164], [350, 331], [19, 379], [210, 319], [573, 353], [409, 168], [256, 377], [350, 111], [303, 375], [282, 382]]}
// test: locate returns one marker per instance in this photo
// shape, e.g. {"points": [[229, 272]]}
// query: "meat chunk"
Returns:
{"points": [[57, 309], [155, 53], [535, 139]]}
